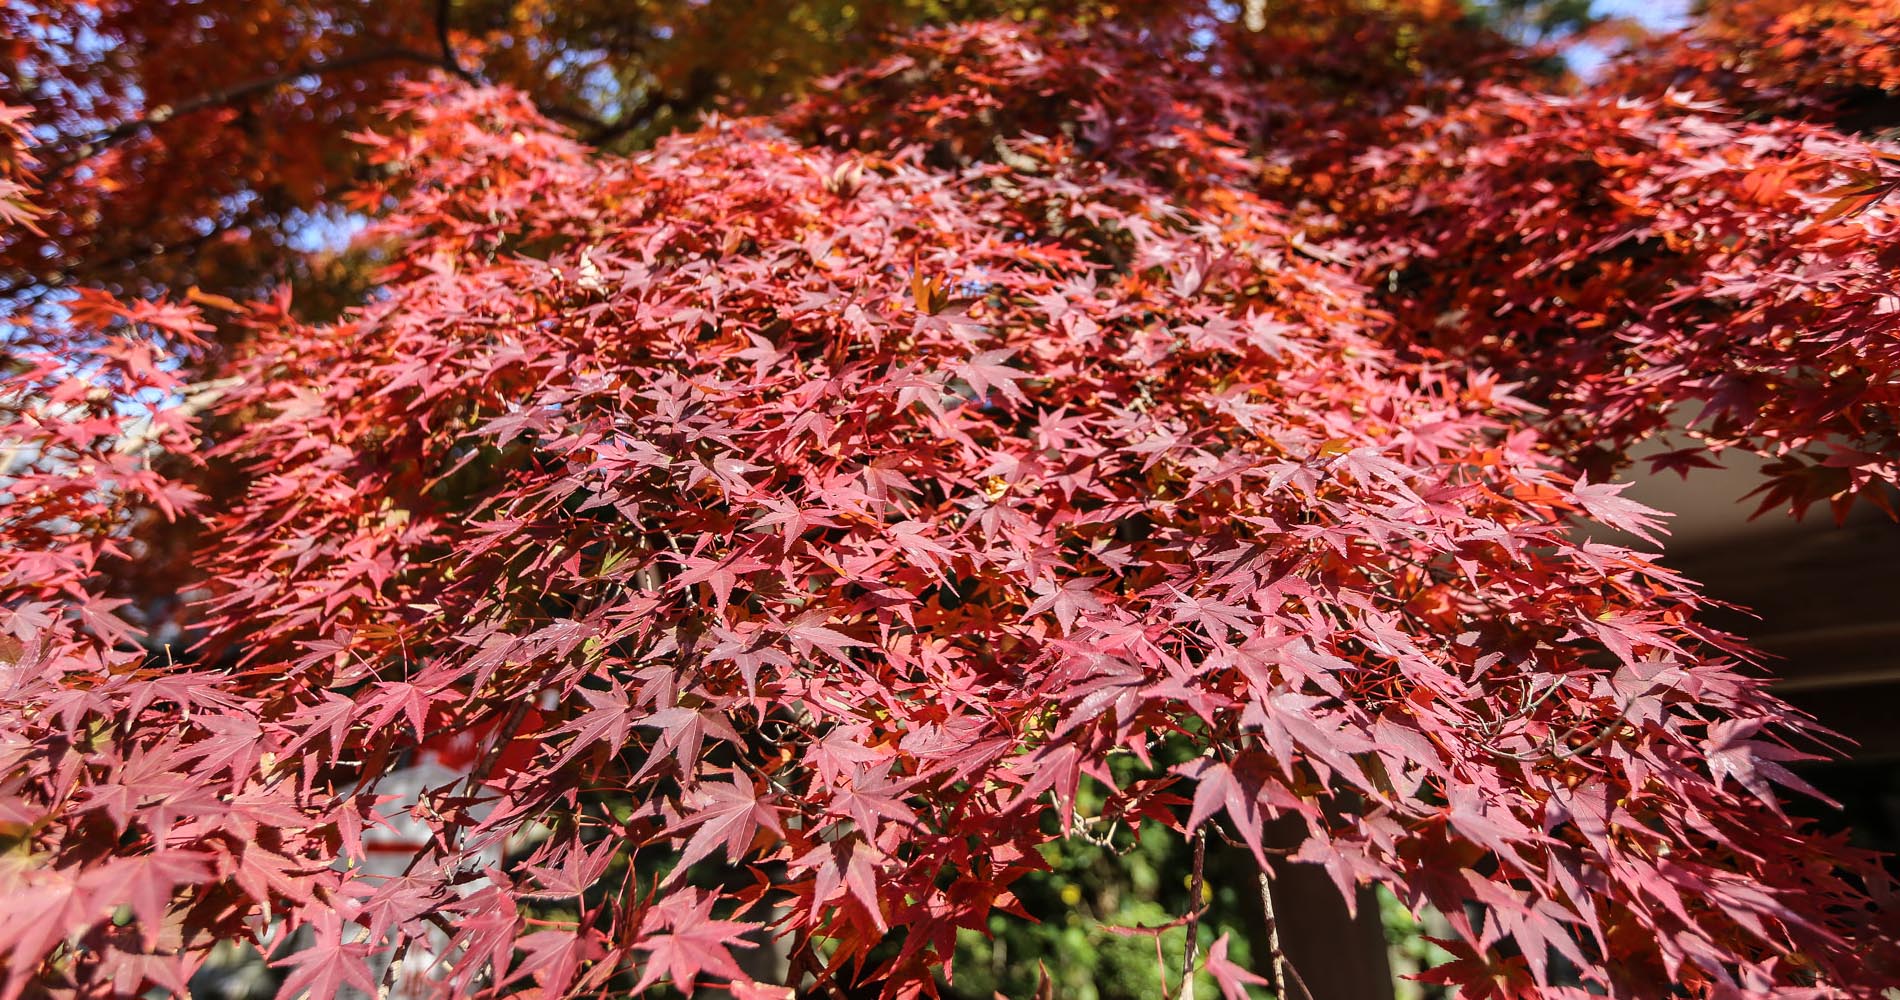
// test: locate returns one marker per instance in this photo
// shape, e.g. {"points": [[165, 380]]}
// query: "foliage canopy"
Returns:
{"points": [[798, 515]]}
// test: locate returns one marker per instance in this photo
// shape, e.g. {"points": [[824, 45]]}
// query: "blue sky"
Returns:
{"points": [[1662, 15], [1656, 13]]}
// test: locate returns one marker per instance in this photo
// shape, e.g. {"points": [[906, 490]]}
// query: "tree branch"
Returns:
{"points": [[1280, 971], [450, 61], [63, 154], [1193, 944], [699, 87], [23, 288]]}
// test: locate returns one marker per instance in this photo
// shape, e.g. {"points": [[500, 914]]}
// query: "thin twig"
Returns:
{"points": [[1191, 949], [1280, 969], [1274, 956], [1557, 748]]}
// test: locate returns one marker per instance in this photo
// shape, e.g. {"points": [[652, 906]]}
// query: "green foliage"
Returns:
{"points": [[1084, 909], [1408, 948], [1535, 20], [1096, 911]]}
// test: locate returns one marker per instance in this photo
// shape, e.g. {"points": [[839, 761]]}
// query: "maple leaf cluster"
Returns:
{"points": [[90, 735], [1654, 269], [787, 521], [1638, 264], [1817, 60]]}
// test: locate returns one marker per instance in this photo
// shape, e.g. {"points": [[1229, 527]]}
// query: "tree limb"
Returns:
{"points": [[700, 86], [63, 154], [450, 61]]}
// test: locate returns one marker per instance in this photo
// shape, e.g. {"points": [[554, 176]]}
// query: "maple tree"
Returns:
{"points": [[798, 517]]}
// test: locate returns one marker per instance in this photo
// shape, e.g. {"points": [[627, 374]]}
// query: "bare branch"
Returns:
{"points": [[1193, 945], [1274, 955]]}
